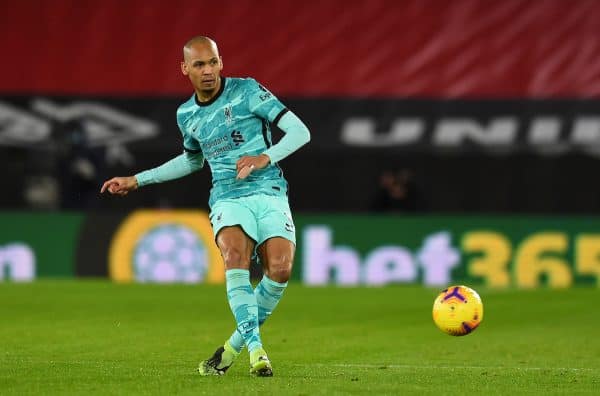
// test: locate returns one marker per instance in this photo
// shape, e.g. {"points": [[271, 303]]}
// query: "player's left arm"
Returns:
{"points": [[296, 133]]}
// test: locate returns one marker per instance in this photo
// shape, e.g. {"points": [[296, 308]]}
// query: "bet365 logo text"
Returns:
{"points": [[324, 263], [553, 256], [554, 259]]}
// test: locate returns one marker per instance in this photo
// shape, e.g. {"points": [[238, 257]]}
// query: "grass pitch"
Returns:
{"points": [[98, 338]]}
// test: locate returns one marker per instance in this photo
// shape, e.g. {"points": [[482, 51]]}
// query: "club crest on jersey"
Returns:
{"points": [[228, 115]]}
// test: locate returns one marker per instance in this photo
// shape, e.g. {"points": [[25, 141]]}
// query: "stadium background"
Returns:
{"points": [[451, 141]]}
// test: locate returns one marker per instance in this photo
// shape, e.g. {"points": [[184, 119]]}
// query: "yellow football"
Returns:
{"points": [[457, 310]]}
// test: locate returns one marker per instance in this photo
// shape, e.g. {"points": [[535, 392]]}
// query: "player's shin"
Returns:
{"points": [[244, 306], [268, 293]]}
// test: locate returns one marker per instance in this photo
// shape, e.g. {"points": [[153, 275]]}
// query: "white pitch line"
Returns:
{"points": [[408, 366]]}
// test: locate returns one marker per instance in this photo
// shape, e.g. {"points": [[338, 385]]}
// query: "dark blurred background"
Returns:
{"points": [[414, 106]]}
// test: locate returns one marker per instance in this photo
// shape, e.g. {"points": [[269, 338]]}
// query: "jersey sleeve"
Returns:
{"points": [[190, 161], [262, 102], [296, 135], [190, 143], [180, 166]]}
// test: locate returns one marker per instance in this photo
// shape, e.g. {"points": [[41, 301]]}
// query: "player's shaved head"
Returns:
{"points": [[197, 41], [202, 64]]}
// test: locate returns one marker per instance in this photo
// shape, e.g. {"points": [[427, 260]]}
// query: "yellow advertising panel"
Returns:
{"points": [[165, 246]]}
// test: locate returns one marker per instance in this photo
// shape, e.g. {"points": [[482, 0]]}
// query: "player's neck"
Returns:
{"points": [[206, 96]]}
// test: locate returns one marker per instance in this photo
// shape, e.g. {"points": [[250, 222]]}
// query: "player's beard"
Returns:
{"points": [[205, 94], [208, 89]]}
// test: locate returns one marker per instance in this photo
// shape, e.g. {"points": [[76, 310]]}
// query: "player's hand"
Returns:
{"points": [[248, 163], [120, 185]]}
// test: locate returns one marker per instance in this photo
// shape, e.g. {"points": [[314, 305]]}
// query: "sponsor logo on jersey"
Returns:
{"points": [[237, 137], [266, 95]]}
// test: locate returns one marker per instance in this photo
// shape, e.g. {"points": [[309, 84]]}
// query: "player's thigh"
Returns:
{"points": [[275, 250], [233, 212], [235, 229], [236, 247], [277, 257], [276, 238], [275, 220]]}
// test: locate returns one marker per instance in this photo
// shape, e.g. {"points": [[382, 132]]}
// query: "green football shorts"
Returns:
{"points": [[260, 216]]}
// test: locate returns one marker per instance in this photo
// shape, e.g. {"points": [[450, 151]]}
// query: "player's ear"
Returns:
{"points": [[184, 69], [221, 60]]}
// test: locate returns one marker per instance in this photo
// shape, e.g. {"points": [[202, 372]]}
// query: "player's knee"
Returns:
{"points": [[279, 269], [233, 258]]}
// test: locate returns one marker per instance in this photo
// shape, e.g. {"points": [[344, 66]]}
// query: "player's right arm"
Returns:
{"points": [[190, 161], [180, 166]]}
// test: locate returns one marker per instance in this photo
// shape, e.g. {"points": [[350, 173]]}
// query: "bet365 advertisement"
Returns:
{"points": [[523, 252], [172, 246]]}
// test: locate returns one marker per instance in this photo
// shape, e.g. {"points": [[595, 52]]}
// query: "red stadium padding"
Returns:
{"points": [[370, 48]]}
